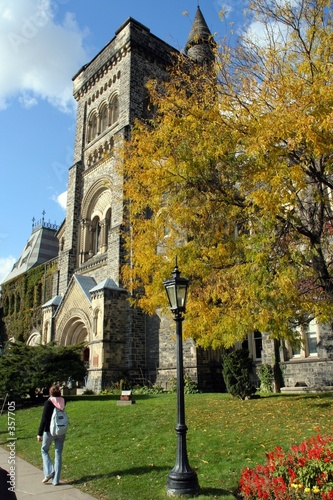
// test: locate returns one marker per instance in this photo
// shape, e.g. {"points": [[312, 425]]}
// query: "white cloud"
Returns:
{"points": [[267, 32], [39, 53], [61, 199], [27, 100], [225, 9], [6, 265]]}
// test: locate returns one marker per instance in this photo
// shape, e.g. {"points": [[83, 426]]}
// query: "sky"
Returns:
{"points": [[43, 43]]}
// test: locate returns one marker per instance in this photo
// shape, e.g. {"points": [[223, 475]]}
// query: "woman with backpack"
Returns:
{"points": [[51, 407]]}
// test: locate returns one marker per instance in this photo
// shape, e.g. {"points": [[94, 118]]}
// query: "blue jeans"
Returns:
{"points": [[48, 467]]}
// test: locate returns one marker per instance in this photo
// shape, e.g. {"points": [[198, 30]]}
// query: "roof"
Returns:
{"points": [[55, 301], [41, 247], [109, 284], [199, 31], [86, 283]]}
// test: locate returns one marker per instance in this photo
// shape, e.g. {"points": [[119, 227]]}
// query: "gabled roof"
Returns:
{"points": [[86, 283], [109, 284], [55, 301]]}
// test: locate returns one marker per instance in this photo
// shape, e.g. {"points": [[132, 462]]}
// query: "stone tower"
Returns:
{"points": [[200, 43], [90, 304]]}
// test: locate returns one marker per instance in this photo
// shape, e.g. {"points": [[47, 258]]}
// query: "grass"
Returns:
{"points": [[126, 452]]}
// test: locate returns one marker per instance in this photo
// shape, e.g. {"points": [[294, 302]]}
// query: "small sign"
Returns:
{"points": [[126, 396]]}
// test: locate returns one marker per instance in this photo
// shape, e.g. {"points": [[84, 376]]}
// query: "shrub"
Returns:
{"points": [[190, 386], [88, 392], [266, 376], [236, 370], [305, 472], [146, 390]]}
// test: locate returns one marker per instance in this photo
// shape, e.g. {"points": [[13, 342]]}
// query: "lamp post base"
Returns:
{"points": [[182, 483]]}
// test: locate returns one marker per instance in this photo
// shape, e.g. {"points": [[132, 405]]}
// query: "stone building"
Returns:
{"points": [[29, 285], [87, 302]]}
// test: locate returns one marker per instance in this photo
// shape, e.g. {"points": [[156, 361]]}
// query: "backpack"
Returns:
{"points": [[59, 422]]}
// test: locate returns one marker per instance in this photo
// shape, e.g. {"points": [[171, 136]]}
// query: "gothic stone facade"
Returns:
{"points": [[89, 303]]}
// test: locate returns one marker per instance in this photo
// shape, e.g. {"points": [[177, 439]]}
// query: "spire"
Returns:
{"points": [[200, 42]]}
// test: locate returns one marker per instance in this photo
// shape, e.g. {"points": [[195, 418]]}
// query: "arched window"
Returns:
{"points": [[107, 227], [96, 234], [103, 118], [114, 110], [92, 127], [95, 220]]}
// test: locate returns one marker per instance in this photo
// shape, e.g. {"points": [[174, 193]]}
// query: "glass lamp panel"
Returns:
{"points": [[171, 292], [181, 296]]}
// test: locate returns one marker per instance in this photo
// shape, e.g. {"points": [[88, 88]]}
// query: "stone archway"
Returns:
{"points": [[34, 339], [75, 332]]}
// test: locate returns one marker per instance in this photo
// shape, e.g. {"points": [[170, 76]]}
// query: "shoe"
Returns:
{"points": [[47, 478], [55, 484]]}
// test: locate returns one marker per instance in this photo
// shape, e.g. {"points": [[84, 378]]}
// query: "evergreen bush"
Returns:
{"points": [[236, 370]]}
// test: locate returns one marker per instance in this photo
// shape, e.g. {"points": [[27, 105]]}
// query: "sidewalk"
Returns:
{"points": [[29, 483]]}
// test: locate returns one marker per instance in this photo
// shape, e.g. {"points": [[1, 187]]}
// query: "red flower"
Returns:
{"points": [[305, 464]]}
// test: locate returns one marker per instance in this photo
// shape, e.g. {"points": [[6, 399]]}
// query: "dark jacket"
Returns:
{"points": [[5, 493], [44, 425]]}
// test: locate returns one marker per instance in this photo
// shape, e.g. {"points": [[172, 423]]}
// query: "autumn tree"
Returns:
{"points": [[234, 175]]}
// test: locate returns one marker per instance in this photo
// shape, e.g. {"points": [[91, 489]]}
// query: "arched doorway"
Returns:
{"points": [[34, 339], [76, 332]]}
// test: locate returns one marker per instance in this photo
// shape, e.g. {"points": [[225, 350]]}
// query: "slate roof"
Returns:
{"points": [[86, 283], [107, 283], [55, 301], [199, 31], [41, 247]]}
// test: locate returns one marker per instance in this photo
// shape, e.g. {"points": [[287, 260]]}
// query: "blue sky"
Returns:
{"points": [[43, 43]]}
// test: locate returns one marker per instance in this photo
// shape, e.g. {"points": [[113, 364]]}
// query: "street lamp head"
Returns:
{"points": [[176, 289]]}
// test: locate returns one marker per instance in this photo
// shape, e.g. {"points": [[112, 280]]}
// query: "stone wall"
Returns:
{"points": [[166, 362], [307, 373]]}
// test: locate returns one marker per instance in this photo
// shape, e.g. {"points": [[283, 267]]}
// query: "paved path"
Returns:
{"points": [[29, 483]]}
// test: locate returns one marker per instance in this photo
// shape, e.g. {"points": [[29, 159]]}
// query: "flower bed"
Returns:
{"points": [[305, 471]]}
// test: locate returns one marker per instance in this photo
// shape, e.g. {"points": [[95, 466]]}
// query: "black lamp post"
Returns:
{"points": [[182, 480]]}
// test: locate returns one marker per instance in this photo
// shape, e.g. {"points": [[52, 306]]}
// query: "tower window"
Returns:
{"points": [[92, 128], [114, 110], [103, 118]]}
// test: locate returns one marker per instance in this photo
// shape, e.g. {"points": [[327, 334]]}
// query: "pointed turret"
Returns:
{"points": [[200, 44]]}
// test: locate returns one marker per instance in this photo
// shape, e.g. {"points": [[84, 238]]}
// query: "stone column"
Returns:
{"points": [[104, 235], [85, 243]]}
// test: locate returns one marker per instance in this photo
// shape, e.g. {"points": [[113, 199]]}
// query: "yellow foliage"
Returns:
{"points": [[233, 173]]}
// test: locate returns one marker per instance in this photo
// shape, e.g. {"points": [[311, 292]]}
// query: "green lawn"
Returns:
{"points": [[126, 453]]}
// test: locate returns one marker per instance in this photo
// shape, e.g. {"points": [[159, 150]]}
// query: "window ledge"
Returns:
{"points": [[308, 359]]}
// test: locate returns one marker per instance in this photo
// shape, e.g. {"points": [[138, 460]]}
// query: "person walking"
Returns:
{"points": [[6, 491], [51, 471]]}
